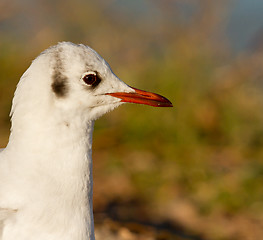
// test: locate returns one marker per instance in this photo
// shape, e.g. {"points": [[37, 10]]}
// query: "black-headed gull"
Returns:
{"points": [[46, 168]]}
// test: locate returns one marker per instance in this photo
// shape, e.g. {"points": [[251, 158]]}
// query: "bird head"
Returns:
{"points": [[75, 80]]}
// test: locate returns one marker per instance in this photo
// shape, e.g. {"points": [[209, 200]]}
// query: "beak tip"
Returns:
{"points": [[165, 104]]}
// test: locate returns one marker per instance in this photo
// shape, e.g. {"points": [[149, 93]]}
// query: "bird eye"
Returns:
{"points": [[91, 79]]}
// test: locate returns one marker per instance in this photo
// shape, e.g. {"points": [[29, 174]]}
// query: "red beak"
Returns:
{"points": [[143, 97]]}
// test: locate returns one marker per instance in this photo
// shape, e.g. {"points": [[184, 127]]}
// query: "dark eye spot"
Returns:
{"points": [[91, 79]]}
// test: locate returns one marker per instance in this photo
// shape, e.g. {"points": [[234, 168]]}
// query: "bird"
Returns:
{"points": [[46, 182]]}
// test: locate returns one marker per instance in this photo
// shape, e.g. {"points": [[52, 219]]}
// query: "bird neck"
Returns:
{"points": [[54, 160]]}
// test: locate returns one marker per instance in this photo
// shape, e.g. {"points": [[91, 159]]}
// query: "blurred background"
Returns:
{"points": [[194, 171]]}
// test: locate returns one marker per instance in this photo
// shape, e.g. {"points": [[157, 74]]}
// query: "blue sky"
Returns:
{"points": [[244, 27], [245, 23]]}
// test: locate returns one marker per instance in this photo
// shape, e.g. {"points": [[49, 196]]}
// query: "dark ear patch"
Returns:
{"points": [[59, 85], [60, 81]]}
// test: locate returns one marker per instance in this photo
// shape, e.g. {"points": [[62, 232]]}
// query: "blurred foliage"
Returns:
{"points": [[198, 164]]}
